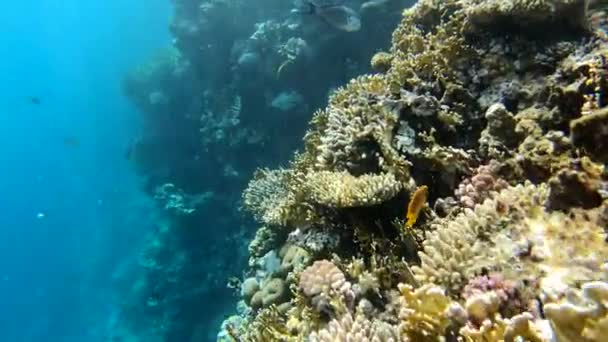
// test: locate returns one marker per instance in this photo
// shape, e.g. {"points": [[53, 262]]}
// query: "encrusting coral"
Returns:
{"points": [[501, 122]]}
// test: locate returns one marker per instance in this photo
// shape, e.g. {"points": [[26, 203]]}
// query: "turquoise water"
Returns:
{"points": [[71, 210]]}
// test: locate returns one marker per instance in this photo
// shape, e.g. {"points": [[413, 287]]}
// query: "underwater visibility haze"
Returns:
{"points": [[306, 170], [72, 209]]}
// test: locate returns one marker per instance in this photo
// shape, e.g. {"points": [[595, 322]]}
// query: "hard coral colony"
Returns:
{"points": [[500, 107]]}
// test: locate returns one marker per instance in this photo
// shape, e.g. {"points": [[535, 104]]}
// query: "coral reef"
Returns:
{"points": [[234, 91], [582, 316], [497, 110], [323, 282]]}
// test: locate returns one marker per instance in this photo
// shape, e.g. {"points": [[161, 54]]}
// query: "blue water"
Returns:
{"points": [[71, 210]]}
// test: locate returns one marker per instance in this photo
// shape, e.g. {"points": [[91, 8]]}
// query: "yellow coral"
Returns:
{"points": [[583, 316], [423, 312]]}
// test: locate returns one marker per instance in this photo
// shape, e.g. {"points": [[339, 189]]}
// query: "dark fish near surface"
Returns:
{"points": [[71, 142]]}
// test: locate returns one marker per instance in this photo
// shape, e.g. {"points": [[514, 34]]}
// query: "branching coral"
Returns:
{"points": [[326, 286], [423, 312], [267, 196], [513, 233], [359, 328], [454, 253], [455, 92], [583, 316], [485, 323]]}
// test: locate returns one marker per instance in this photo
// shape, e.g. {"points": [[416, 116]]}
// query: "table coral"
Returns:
{"points": [[343, 190]]}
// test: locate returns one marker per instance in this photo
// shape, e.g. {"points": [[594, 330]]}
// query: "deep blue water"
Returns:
{"points": [[71, 211]]}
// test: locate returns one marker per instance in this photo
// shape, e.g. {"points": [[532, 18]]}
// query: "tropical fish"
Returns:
{"points": [[417, 202], [332, 12]]}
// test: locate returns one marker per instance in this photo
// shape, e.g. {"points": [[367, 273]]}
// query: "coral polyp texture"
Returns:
{"points": [[497, 110]]}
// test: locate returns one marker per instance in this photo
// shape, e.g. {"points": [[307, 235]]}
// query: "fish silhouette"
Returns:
{"points": [[333, 13], [34, 100]]}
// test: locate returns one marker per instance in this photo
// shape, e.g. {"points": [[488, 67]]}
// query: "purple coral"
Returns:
{"points": [[510, 295], [476, 189]]}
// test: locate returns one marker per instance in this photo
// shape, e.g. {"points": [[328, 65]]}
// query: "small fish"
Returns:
{"points": [[417, 202], [40, 215], [129, 152], [34, 100], [71, 142]]}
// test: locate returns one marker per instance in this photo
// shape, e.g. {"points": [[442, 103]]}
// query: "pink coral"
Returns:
{"points": [[510, 296], [476, 189], [323, 281]]}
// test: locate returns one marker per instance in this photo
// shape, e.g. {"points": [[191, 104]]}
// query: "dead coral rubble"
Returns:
{"points": [[474, 105]]}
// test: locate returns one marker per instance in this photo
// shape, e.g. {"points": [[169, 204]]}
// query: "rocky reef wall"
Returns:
{"points": [[233, 92], [457, 194]]}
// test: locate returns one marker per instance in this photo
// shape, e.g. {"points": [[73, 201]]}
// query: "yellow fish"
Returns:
{"points": [[417, 202]]}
